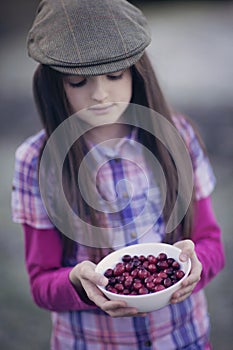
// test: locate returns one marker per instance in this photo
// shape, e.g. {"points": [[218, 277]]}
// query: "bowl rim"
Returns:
{"points": [[161, 244]]}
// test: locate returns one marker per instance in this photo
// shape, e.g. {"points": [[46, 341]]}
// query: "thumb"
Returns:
{"points": [[187, 249]]}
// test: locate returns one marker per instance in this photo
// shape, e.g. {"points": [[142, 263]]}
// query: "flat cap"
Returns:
{"points": [[88, 37]]}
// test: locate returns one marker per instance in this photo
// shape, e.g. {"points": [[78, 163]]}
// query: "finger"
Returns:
{"points": [[119, 309], [94, 293], [96, 296], [195, 273], [181, 295], [181, 298], [183, 291], [87, 272], [116, 310], [187, 249], [100, 299], [192, 279], [123, 312]]}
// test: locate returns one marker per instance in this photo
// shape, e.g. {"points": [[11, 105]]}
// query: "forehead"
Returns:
{"points": [[73, 76]]}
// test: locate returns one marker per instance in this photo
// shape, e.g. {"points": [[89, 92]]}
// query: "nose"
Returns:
{"points": [[99, 93]]}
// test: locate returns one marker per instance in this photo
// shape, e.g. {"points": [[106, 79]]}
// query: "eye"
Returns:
{"points": [[115, 76], [78, 84]]}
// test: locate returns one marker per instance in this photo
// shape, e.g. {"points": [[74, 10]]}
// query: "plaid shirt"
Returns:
{"points": [[181, 326]]}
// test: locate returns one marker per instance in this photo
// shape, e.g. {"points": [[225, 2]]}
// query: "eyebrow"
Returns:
{"points": [[70, 76]]}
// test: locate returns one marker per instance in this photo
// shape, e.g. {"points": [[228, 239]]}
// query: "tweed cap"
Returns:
{"points": [[88, 37]]}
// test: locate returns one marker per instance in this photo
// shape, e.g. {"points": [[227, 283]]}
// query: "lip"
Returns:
{"points": [[101, 109]]}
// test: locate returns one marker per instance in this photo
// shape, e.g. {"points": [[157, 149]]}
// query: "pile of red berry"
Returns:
{"points": [[138, 275]]}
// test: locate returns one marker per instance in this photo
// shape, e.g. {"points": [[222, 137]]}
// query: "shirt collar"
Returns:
{"points": [[103, 151]]}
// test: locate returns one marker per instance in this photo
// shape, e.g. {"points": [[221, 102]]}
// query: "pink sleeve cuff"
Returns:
{"points": [[208, 242]]}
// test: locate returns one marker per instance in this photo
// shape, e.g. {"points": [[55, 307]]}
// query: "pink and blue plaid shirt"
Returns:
{"points": [[181, 326]]}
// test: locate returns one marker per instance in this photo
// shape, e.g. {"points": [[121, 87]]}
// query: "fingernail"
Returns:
{"points": [[183, 257], [103, 280]]}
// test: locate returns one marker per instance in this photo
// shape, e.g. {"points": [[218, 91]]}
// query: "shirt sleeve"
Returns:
{"points": [[26, 203], [208, 242], [204, 179], [50, 285]]}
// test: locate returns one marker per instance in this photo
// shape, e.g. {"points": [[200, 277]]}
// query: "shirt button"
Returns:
{"points": [[148, 343], [133, 234]]}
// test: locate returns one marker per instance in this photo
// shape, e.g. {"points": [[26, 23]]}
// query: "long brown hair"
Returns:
{"points": [[54, 108]]}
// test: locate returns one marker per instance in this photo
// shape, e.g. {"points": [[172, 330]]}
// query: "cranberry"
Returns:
{"points": [[142, 258], [125, 274], [168, 271], [128, 282], [129, 266], [151, 259], [170, 261], [111, 289], [157, 280], [137, 280], [136, 263], [143, 290], [120, 279], [175, 265], [112, 281], [159, 287], [119, 287], [126, 291], [133, 292], [108, 273], [173, 278], [152, 268], [135, 258], [119, 269], [162, 256], [149, 279], [137, 285], [179, 274], [162, 264], [162, 275], [140, 275], [134, 273], [145, 263], [150, 285], [126, 258], [167, 282]]}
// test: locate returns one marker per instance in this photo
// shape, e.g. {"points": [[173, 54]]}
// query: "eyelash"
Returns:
{"points": [[115, 77], [84, 81], [77, 85]]}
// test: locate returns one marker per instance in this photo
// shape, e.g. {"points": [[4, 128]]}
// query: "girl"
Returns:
{"points": [[93, 65]]}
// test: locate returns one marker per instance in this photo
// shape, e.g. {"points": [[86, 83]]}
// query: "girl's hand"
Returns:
{"points": [[84, 277], [187, 286]]}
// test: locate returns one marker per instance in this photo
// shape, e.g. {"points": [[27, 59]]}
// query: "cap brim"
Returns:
{"points": [[98, 69]]}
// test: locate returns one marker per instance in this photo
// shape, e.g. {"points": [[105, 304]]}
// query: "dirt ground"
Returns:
{"points": [[192, 53]]}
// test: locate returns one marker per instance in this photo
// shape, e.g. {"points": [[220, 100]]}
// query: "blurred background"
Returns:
{"points": [[192, 52]]}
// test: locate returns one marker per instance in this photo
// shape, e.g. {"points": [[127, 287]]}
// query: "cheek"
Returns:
{"points": [[125, 91], [77, 100]]}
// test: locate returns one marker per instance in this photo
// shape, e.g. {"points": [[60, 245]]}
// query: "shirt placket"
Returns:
{"points": [[125, 215]]}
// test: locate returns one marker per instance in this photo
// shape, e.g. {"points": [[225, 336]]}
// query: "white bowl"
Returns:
{"points": [[146, 302]]}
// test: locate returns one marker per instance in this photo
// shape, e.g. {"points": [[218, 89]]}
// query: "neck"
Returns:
{"points": [[107, 133]]}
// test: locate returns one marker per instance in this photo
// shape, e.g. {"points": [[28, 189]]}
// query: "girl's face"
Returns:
{"points": [[97, 97]]}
